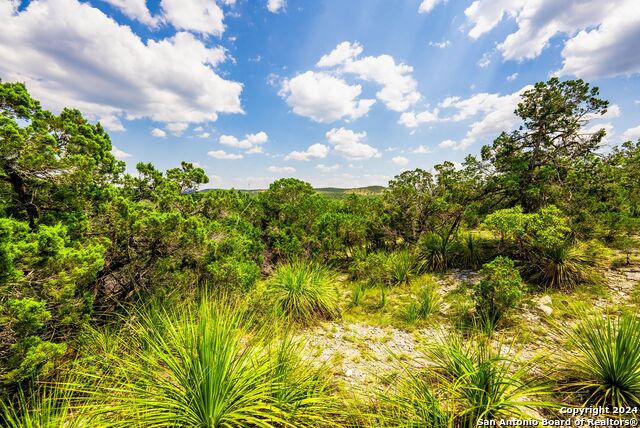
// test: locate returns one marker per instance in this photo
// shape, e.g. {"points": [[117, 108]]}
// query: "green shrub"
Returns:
{"points": [[499, 290], [429, 302], [212, 367], [304, 292], [434, 252], [400, 266], [559, 267], [483, 382], [603, 364]]}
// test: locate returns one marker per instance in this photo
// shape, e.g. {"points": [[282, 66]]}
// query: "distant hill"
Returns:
{"points": [[330, 192]]}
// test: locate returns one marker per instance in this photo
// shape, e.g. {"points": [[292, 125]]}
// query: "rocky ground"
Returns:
{"points": [[363, 355]]}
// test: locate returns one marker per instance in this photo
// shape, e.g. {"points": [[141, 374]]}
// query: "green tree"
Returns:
{"points": [[51, 167], [533, 162]]}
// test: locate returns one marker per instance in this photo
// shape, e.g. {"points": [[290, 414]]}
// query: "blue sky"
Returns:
{"points": [[338, 93]]}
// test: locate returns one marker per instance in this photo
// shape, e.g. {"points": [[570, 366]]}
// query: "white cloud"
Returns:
{"points": [[399, 88], [275, 6], [421, 149], [157, 132], [427, 5], [327, 168], [317, 151], [200, 16], [411, 119], [324, 98], [445, 144], [512, 77], [107, 71], [282, 169], [400, 160], [631, 134], [204, 135], [135, 9], [177, 128], [347, 144], [601, 36], [440, 45], [251, 142], [221, 154], [485, 60], [119, 154]]}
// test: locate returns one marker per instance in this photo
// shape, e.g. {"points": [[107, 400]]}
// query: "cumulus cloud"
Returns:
{"points": [[347, 144], [107, 71], [136, 10], [327, 168], [399, 88], [282, 169], [177, 128], [400, 160], [324, 98], [495, 112], [631, 134], [411, 119], [601, 37], [221, 154], [251, 142], [317, 151], [200, 16], [427, 5], [157, 132], [275, 6], [119, 154], [421, 149], [512, 77]]}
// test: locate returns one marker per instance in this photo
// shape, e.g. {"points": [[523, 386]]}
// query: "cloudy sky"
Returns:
{"points": [[338, 93]]}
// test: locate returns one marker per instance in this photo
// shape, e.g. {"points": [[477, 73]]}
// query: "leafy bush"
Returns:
{"points": [[604, 361], [499, 291], [304, 292]]}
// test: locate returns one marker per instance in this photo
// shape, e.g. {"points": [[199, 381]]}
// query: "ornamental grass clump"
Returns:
{"points": [[603, 364], [304, 292]]}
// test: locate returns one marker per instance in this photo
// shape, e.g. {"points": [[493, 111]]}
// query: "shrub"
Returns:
{"points": [[372, 268], [429, 302], [357, 294], [208, 369], [434, 252], [400, 267], [469, 252], [561, 266], [605, 365], [304, 292], [499, 291], [483, 382]]}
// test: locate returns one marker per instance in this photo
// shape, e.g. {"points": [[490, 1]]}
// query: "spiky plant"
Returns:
{"points": [[484, 382], [412, 405], [429, 301], [357, 294], [603, 365], [559, 267], [401, 267], [304, 292], [470, 253], [208, 368], [434, 252]]}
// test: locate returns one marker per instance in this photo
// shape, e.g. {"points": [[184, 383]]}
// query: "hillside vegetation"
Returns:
{"points": [[507, 286]]}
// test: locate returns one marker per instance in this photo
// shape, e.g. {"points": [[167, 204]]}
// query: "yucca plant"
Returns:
{"points": [[434, 252], [412, 405], [470, 253], [560, 266], [304, 292], [47, 406], [604, 361], [429, 301], [401, 267], [483, 382]]}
